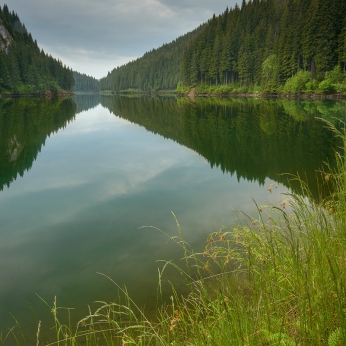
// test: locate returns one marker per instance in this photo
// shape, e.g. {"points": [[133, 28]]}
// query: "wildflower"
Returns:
{"points": [[210, 240], [221, 236], [174, 320], [206, 266]]}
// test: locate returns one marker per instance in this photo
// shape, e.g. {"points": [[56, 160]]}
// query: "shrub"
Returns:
{"points": [[327, 87], [335, 75], [297, 83], [311, 85]]}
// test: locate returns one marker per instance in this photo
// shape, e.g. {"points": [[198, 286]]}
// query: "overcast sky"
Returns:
{"points": [[93, 37]]}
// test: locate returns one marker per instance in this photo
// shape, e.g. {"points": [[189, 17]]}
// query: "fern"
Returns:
{"points": [[279, 339], [335, 337]]}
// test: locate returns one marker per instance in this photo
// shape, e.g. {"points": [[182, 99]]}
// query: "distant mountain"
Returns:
{"points": [[158, 69], [24, 68], [85, 83]]}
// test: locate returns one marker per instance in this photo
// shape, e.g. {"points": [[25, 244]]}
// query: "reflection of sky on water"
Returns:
{"points": [[79, 209]]}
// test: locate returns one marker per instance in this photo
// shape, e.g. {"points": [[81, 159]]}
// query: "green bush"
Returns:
{"points": [[182, 89], [26, 89], [297, 83], [340, 87], [223, 89], [311, 86], [327, 87], [269, 74], [334, 81], [336, 75]]}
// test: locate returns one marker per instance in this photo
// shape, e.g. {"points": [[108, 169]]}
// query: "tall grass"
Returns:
{"points": [[277, 279]]}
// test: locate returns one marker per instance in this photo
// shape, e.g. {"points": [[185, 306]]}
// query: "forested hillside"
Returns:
{"points": [[158, 69], [85, 83], [261, 45], [265, 42], [24, 68]]}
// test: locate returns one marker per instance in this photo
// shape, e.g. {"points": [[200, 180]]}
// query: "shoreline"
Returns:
{"points": [[45, 95], [302, 96], [192, 94]]}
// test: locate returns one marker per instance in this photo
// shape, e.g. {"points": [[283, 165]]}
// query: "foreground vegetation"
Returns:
{"points": [[275, 279]]}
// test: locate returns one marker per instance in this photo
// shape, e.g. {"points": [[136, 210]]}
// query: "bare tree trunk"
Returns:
{"points": [[313, 67]]}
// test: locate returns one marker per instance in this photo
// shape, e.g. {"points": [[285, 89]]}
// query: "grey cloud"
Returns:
{"points": [[110, 30]]}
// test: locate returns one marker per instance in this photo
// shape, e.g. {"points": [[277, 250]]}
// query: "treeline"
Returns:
{"points": [[158, 69], [24, 68], [85, 102], [266, 42], [254, 139], [85, 83]]}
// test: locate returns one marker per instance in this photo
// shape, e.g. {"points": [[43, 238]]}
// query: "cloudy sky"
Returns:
{"points": [[93, 37]]}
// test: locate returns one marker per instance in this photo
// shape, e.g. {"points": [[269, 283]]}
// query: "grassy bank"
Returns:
{"points": [[302, 84], [276, 279], [138, 92]]}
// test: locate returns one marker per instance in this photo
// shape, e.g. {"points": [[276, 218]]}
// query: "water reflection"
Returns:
{"points": [[25, 124], [254, 139], [85, 102], [79, 208]]}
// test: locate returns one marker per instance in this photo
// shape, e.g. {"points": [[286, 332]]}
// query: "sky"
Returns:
{"points": [[93, 37]]}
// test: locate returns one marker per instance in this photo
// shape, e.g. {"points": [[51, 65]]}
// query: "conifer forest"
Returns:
{"points": [[25, 68], [271, 45]]}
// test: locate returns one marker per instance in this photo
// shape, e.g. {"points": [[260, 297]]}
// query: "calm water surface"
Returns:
{"points": [[79, 178]]}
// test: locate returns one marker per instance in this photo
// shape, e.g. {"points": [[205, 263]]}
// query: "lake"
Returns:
{"points": [[80, 177]]}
